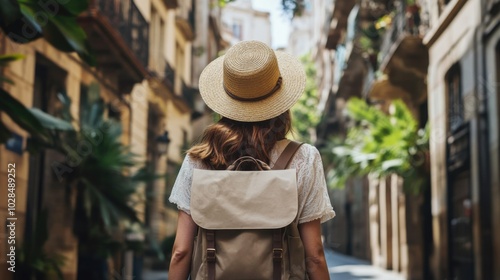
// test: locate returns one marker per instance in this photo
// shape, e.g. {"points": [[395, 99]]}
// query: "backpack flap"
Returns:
{"points": [[244, 199]]}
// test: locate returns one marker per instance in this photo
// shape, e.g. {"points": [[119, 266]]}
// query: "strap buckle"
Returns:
{"points": [[277, 253], [210, 254]]}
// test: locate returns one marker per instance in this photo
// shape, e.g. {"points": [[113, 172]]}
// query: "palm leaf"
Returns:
{"points": [[22, 116], [50, 122], [8, 58]]}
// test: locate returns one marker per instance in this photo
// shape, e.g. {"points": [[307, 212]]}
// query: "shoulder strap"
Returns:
{"points": [[286, 156]]}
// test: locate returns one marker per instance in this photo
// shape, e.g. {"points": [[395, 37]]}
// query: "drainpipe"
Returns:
{"points": [[484, 271]]}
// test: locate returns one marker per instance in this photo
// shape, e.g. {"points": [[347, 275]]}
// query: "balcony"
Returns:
{"points": [[403, 56], [171, 4], [118, 35], [185, 19], [404, 38], [169, 78], [192, 97]]}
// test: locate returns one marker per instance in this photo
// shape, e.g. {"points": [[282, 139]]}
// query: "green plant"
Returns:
{"points": [[381, 144], [24, 21], [96, 168], [305, 114]]}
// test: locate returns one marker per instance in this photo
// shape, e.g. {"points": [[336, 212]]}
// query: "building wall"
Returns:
{"points": [[169, 43], [253, 25], [138, 136], [455, 45], [306, 28], [178, 125], [61, 239], [491, 83], [23, 76]]}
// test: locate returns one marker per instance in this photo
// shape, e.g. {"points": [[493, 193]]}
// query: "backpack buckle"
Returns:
{"points": [[277, 253], [210, 254]]}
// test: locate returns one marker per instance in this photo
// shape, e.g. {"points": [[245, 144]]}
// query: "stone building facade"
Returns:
{"points": [[463, 112], [441, 59], [240, 22], [145, 74]]}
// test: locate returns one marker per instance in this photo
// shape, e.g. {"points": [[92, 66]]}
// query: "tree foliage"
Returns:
{"points": [[305, 113], [381, 144], [96, 167], [24, 21]]}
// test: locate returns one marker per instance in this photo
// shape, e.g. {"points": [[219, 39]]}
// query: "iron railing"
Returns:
{"points": [[189, 94], [169, 74], [128, 20], [407, 21]]}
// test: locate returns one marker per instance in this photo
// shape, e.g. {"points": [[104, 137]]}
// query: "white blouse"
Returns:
{"points": [[314, 202]]}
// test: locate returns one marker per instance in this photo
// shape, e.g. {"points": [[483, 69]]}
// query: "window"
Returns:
{"points": [[236, 29], [157, 42], [455, 100], [180, 66]]}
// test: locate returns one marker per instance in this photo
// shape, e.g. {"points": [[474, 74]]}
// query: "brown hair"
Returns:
{"points": [[227, 140]]}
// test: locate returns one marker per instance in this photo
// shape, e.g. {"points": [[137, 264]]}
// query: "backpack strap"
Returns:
{"points": [[210, 254], [282, 163], [277, 253], [286, 156]]}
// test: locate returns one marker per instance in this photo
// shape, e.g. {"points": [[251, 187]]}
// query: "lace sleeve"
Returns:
{"points": [[314, 202], [181, 191]]}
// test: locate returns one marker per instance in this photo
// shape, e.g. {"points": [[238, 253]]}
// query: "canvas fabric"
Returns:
{"points": [[247, 222]]}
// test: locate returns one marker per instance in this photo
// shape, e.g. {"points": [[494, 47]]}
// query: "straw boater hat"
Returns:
{"points": [[251, 82]]}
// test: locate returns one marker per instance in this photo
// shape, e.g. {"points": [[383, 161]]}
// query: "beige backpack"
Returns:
{"points": [[247, 222]]}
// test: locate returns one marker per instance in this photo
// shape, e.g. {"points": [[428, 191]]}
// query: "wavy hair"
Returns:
{"points": [[227, 140]]}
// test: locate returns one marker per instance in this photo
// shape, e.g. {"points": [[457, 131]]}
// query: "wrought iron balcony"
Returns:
{"points": [[189, 94], [185, 18], [169, 75], [391, 35], [403, 56], [407, 24], [192, 97], [119, 35], [133, 27]]}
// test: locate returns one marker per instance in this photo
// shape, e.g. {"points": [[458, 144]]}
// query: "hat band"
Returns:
{"points": [[239, 98]]}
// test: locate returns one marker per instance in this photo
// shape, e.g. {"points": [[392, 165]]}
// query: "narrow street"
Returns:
{"points": [[341, 267], [344, 267]]}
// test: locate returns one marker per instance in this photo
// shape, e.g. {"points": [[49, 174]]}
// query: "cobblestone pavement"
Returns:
{"points": [[341, 267]]}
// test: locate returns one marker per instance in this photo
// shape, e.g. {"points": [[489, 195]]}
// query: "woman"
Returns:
{"points": [[252, 88]]}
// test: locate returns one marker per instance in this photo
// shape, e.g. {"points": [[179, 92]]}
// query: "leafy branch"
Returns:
{"points": [[381, 144], [24, 21], [304, 112]]}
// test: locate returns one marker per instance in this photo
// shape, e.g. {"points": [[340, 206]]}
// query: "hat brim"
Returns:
{"points": [[293, 84]]}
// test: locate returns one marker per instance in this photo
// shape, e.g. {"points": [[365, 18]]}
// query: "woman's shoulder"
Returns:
{"points": [[191, 162], [308, 149], [306, 154]]}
